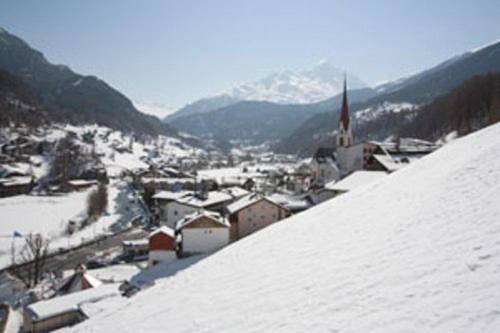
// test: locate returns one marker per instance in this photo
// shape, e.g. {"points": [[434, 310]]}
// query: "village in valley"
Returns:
{"points": [[167, 205], [207, 167]]}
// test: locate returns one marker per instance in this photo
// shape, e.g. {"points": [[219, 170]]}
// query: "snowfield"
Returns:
{"points": [[418, 251], [49, 215], [26, 214]]}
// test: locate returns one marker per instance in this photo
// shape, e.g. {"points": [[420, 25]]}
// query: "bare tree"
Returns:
{"points": [[97, 202], [33, 257]]}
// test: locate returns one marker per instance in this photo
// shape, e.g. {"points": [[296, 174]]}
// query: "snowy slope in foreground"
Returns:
{"points": [[417, 251]]}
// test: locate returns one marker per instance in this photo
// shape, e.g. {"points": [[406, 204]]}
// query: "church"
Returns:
{"points": [[345, 157], [326, 164]]}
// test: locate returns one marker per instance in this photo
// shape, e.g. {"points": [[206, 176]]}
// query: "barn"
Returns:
{"points": [[162, 246]]}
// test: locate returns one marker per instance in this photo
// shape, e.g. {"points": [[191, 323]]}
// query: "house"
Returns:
{"points": [[78, 281], [80, 184], [52, 314], [235, 191], [324, 166], [294, 203], [191, 202], [166, 184], [253, 212], [16, 186], [162, 246], [203, 231], [392, 156], [161, 200], [134, 250], [355, 180]]}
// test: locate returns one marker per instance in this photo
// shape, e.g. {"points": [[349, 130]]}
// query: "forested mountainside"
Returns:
{"points": [[81, 98], [471, 106]]}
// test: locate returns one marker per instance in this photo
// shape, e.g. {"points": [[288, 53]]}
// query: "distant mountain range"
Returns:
{"points": [[286, 87], [386, 104], [299, 128], [257, 122], [59, 90]]}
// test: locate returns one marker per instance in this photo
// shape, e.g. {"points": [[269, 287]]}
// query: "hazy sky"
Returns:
{"points": [[174, 52]]}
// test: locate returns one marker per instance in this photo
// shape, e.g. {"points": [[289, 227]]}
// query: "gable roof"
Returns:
{"points": [[190, 218], [80, 280], [163, 230], [71, 302], [169, 195], [249, 200], [197, 200]]}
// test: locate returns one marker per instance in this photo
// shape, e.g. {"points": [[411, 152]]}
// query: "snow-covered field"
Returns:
{"points": [[49, 215], [418, 251]]}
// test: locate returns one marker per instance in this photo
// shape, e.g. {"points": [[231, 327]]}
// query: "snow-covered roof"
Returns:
{"points": [[115, 273], [190, 218], [293, 203], [235, 191], [387, 162], [14, 169], [169, 196], [71, 302], [166, 180], [135, 242], [356, 179], [82, 182], [417, 252], [246, 201], [163, 230], [15, 181], [79, 280], [211, 198]]}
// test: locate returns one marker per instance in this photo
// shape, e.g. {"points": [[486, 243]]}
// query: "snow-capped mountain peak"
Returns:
{"points": [[290, 87], [311, 85]]}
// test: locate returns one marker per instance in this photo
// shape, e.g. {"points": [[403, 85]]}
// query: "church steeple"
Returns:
{"points": [[344, 134]]}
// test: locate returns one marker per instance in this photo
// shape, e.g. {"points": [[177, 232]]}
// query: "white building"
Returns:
{"points": [[324, 167], [203, 232], [174, 209], [54, 313]]}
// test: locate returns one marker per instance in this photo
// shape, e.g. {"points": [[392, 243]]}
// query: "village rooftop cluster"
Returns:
{"points": [[167, 205]]}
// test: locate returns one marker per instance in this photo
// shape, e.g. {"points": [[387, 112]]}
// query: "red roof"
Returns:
{"points": [[344, 114]]}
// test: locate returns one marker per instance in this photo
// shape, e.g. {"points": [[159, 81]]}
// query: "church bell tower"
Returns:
{"points": [[344, 134]]}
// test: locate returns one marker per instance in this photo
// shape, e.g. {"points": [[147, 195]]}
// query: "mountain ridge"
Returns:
{"points": [[308, 86], [418, 90], [85, 98]]}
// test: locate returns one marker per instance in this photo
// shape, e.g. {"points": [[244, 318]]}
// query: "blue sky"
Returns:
{"points": [[174, 52]]}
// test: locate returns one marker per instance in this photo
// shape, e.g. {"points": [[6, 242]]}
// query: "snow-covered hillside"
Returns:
{"points": [[376, 111], [417, 251], [50, 214]]}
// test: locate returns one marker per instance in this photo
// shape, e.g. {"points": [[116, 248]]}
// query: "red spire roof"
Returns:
{"points": [[344, 114]]}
